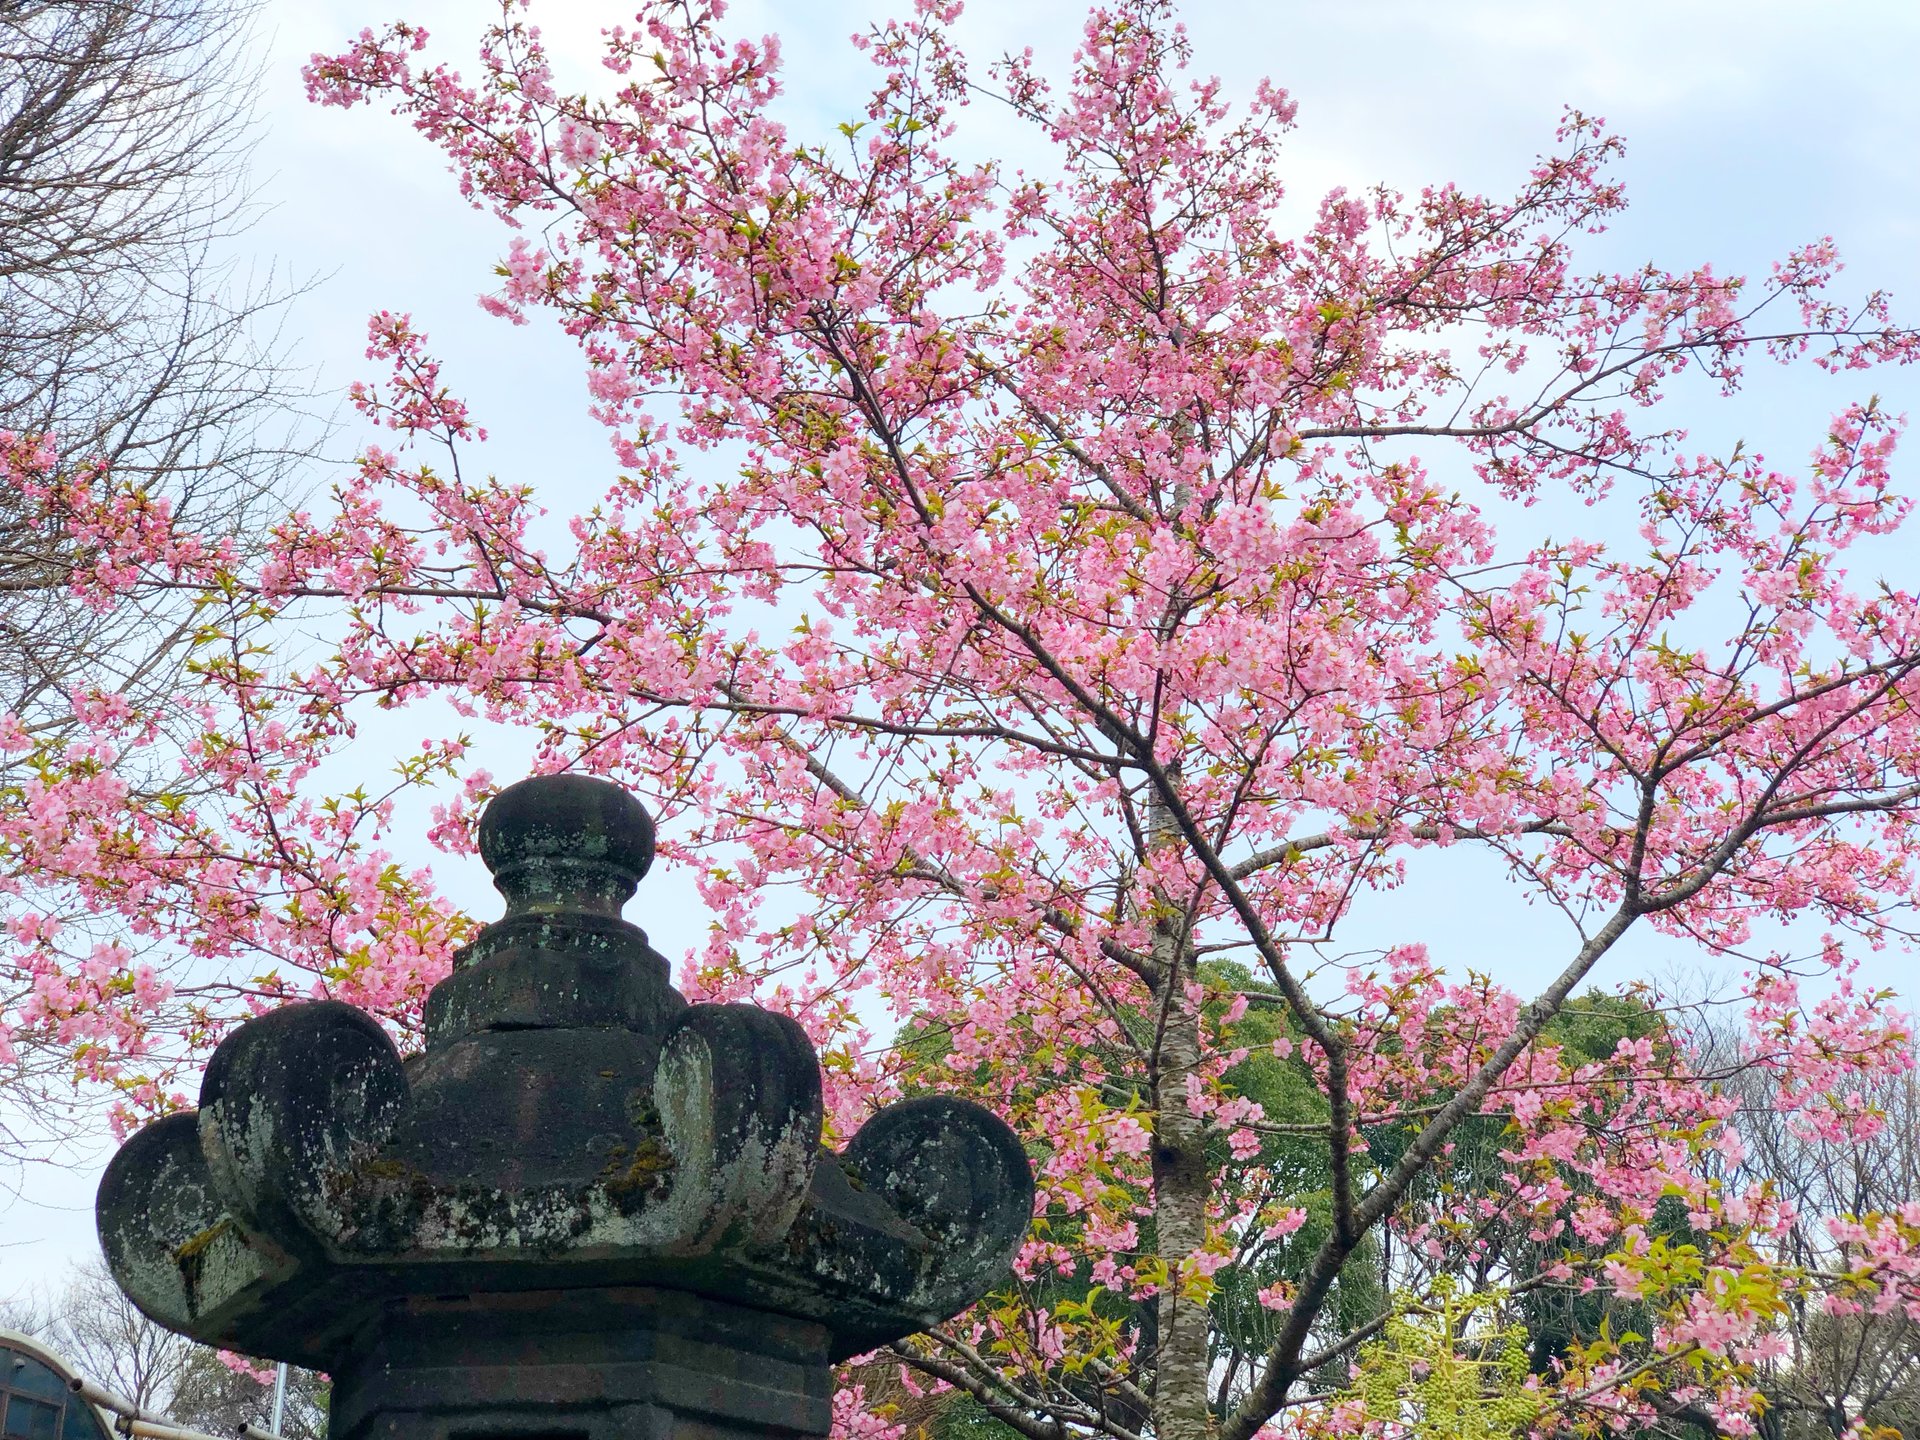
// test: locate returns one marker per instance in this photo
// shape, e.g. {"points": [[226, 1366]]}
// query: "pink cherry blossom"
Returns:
{"points": [[1042, 608]]}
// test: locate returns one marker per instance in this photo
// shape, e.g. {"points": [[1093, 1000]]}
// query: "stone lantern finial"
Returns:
{"points": [[586, 1209]]}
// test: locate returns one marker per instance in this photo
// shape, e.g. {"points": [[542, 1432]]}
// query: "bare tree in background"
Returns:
{"points": [[1840, 1369], [132, 336], [125, 127], [97, 1330]]}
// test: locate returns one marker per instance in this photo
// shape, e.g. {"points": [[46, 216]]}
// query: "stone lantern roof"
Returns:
{"points": [[580, 1163]]}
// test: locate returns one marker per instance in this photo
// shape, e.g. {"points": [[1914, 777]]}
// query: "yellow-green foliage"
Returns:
{"points": [[1446, 1375]]}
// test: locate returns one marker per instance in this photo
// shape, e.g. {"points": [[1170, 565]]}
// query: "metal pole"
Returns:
{"points": [[279, 1397], [131, 1419], [97, 1394], [147, 1430]]}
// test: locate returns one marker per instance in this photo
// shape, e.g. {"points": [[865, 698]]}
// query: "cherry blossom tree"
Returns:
{"points": [[1044, 609], [124, 137]]}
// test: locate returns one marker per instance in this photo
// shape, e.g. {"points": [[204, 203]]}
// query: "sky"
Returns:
{"points": [[1751, 128]]}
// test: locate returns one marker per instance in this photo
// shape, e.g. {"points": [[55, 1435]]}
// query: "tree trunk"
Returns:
{"points": [[1180, 1185]]}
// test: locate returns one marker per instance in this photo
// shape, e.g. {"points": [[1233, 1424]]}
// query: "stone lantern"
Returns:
{"points": [[586, 1209]]}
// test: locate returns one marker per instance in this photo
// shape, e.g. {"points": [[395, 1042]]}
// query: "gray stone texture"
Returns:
{"points": [[586, 1209]]}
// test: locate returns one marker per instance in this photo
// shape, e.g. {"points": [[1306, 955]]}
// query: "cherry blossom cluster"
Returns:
{"points": [[1043, 609]]}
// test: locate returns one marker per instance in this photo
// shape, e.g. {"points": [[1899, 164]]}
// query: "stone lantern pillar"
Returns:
{"points": [[587, 1209]]}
